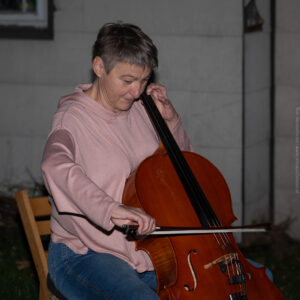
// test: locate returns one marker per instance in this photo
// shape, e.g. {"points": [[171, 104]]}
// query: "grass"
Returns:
{"points": [[18, 279], [282, 256]]}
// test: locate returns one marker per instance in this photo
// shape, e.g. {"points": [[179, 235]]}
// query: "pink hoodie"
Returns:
{"points": [[89, 154]]}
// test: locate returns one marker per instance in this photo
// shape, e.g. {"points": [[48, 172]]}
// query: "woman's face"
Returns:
{"points": [[122, 85]]}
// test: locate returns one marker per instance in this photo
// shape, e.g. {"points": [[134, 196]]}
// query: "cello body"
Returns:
{"points": [[185, 189], [209, 266]]}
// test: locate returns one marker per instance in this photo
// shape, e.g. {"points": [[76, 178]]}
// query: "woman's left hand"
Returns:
{"points": [[164, 105]]}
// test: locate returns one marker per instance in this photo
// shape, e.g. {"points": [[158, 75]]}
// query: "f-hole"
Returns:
{"points": [[186, 286]]}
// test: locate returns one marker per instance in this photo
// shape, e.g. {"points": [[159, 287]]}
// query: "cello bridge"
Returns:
{"points": [[223, 261]]}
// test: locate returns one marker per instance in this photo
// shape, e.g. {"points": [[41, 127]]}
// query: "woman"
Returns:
{"points": [[100, 134]]}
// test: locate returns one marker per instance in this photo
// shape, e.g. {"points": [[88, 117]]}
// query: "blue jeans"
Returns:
{"points": [[97, 276]]}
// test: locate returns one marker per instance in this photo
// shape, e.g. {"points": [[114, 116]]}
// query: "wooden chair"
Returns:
{"points": [[35, 216]]}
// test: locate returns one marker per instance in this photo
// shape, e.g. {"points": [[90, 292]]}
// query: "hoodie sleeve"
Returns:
{"points": [[72, 190], [181, 137]]}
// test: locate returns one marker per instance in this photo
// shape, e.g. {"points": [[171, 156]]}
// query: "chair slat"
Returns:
{"points": [[44, 227], [40, 206]]}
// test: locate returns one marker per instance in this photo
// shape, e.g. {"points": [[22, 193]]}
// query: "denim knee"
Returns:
{"points": [[97, 276]]}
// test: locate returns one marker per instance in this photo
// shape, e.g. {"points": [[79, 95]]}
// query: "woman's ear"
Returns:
{"points": [[98, 66]]}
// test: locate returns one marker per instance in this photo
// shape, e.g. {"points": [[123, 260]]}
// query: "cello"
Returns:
{"points": [[183, 188]]}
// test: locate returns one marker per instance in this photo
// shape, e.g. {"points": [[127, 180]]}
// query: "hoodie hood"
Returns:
{"points": [[79, 99]]}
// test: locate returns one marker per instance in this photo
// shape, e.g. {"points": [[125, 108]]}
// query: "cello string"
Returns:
{"points": [[233, 267], [206, 216], [182, 168], [174, 151], [167, 141]]}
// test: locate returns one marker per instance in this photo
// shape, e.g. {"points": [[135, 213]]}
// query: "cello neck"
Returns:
{"points": [[197, 197]]}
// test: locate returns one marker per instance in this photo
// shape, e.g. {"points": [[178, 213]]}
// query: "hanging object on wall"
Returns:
{"points": [[252, 19]]}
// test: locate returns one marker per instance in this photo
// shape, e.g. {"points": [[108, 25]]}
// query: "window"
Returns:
{"points": [[26, 19]]}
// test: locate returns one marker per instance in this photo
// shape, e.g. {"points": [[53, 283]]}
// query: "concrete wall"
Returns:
{"points": [[200, 51], [201, 62], [287, 118]]}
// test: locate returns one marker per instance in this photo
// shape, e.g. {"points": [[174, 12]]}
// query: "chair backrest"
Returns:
{"points": [[35, 216]]}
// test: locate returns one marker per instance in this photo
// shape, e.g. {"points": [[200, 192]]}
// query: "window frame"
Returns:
{"points": [[29, 26]]}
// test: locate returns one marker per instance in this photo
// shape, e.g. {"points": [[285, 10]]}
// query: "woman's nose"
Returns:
{"points": [[136, 90]]}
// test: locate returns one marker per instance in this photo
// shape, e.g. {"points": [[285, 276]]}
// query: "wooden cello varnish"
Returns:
{"points": [[190, 267]]}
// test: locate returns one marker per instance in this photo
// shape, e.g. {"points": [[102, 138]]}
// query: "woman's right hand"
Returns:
{"points": [[128, 215]]}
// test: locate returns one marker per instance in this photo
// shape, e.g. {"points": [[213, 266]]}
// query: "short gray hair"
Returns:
{"points": [[124, 42]]}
